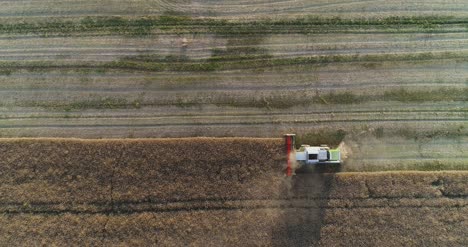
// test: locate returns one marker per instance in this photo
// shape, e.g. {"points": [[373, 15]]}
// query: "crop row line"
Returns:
{"points": [[51, 87], [146, 63], [233, 205], [248, 46], [203, 55], [227, 115], [227, 124]]}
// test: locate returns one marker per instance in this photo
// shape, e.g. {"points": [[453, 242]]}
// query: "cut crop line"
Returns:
{"points": [[226, 115], [137, 116], [221, 88]]}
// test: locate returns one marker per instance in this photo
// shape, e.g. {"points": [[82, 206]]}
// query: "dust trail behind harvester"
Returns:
{"points": [[369, 153], [345, 150]]}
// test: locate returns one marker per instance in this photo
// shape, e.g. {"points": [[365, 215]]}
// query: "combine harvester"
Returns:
{"points": [[309, 158]]}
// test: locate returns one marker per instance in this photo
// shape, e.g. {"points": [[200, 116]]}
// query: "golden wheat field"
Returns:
{"points": [[212, 192]]}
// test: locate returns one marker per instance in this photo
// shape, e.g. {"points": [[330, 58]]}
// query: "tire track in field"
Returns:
{"points": [[223, 130], [230, 10], [311, 47], [301, 7], [205, 54], [259, 118], [259, 75], [122, 124], [335, 74], [15, 114], [96, 55], [222, 124], [111, 90], [63, 8], [233, 204]]}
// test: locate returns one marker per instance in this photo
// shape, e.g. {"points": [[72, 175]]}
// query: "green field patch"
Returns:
{"points": [[100, 103], [250, 61], [143, 26], [154, 62], [340, 98], [440, 94], [273, 101]]}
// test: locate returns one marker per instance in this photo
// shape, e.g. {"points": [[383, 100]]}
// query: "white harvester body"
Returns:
{"points": [[308, 156], [317, 155]]}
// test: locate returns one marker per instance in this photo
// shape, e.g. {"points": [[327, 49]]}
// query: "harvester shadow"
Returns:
{"points": [[301, 223]]}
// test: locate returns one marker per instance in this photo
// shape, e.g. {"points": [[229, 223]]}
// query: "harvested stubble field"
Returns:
{"points": [[213, 192], [177, 74]]}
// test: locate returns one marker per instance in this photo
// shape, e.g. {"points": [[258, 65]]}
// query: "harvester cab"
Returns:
{"points": [[308, 157]]}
